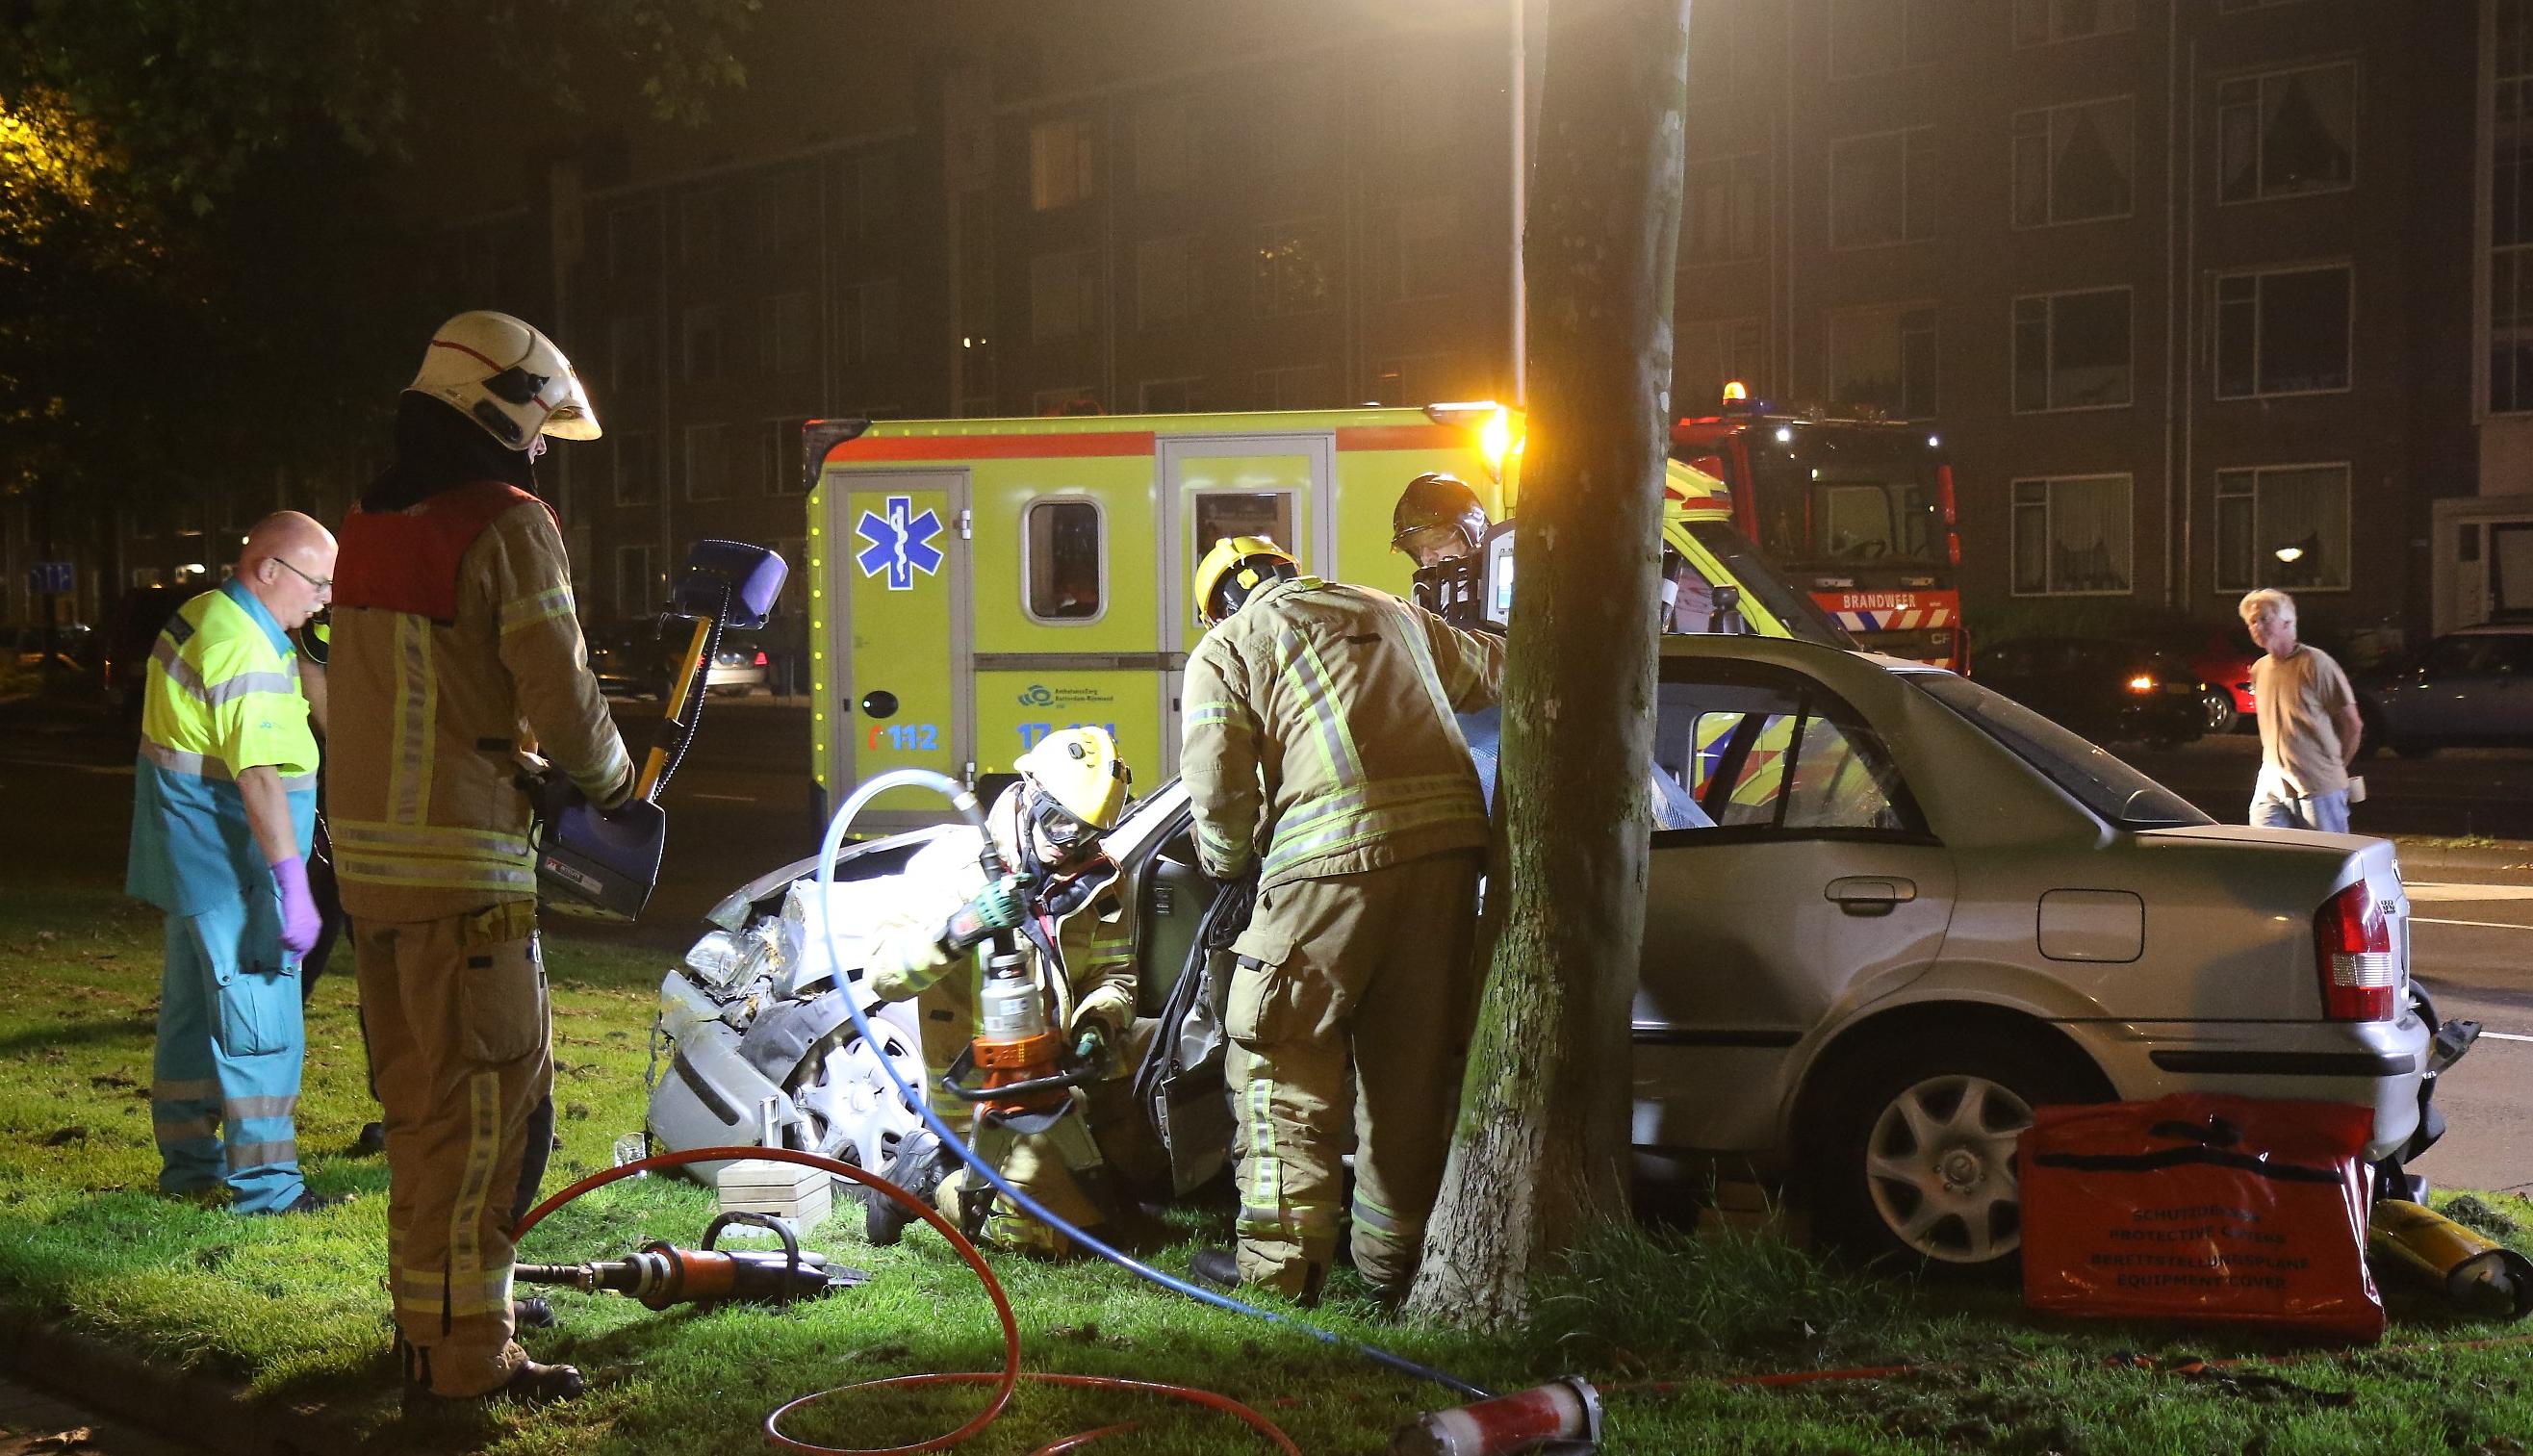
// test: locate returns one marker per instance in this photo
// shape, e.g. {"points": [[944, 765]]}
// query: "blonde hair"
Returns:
{"points": [[2275, 602]]}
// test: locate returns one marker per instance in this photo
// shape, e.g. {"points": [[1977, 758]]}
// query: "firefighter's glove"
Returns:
{"points": [[1000, 906], [301, 925], [1090, 1045]]}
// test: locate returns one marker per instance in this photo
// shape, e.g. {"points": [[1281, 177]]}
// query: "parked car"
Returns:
{"points": [[2109, 690], [131, 629], [25, 645], [640, 660], [2472, 687], [2223, 659], [1899, 911]]}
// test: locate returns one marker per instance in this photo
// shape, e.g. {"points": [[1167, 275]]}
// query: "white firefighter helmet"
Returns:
{"points": [[1077, 784], [506, 377]]}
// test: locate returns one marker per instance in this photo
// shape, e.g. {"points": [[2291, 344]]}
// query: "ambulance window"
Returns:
{"points": [[1060, 576], [1222, 514]]}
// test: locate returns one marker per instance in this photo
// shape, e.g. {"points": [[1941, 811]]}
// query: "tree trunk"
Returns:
{"points": [[1542, 1141]]}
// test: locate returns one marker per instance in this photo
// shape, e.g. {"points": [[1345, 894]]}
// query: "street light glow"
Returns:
{"points": [[2290, 554]]}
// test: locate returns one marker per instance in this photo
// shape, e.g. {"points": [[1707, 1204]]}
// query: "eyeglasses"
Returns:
{"points": [[321, 583]]}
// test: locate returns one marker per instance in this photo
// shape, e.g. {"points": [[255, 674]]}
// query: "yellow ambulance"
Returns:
{"points": [[976, 585]]}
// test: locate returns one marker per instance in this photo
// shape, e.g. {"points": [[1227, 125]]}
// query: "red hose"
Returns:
{"points": [[1003, 1380]]}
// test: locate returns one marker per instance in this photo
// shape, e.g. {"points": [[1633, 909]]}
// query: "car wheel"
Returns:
{"points": [[2218, 707], [850, 1112], [1922, 1148]]}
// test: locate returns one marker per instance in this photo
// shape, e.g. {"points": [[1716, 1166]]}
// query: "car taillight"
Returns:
{"points": [[2352, 950], [2142, 683], [760, 659]]}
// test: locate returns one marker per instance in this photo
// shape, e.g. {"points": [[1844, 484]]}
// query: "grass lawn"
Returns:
{"points": [[295, 1306]]}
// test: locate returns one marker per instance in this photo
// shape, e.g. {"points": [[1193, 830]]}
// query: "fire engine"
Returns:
{"points": [[978, 584], [1859, 512]]}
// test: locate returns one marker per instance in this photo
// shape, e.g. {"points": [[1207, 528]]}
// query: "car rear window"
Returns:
{"points": [[2114, 791]]}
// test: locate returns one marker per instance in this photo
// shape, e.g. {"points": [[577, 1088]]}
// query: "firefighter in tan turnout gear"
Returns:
{"points": [[1066, 899], [1320, 750], [456, 658]]}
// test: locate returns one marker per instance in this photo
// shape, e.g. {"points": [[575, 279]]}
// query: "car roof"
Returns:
{"points": [[2493, 629]]}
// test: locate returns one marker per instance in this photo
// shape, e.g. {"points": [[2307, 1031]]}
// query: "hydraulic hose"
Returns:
{"points": [[1003, 1380], [965, 804]]}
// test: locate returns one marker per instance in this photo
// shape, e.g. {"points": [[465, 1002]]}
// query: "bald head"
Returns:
{"points": [[288, 563]]}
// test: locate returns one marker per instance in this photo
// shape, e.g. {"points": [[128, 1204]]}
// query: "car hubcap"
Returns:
{"points": [[1940, 1166], [854, 1113], [2220, 710]]}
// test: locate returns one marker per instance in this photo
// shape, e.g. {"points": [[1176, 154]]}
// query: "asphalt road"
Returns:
{"points": [[738, 807]]}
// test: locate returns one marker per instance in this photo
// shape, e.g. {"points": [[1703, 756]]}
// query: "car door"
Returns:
{"points": [[2443, 695], [2508, 718], [1811, 882]]}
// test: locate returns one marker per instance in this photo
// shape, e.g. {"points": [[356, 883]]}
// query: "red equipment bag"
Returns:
{"points": [[2204, 1207]]}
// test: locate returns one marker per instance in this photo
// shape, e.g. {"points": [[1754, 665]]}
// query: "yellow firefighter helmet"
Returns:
{"points": [[1236, 566], [1077, 771]]}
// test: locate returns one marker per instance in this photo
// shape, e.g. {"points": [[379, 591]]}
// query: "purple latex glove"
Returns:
{"points": [[300, 922]]}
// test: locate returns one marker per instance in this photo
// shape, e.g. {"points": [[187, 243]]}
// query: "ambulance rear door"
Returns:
{"points": [[1277, 486], [904, 698]]}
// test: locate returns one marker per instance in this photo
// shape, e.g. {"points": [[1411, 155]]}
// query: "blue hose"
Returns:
{"points": [[965, 804]]}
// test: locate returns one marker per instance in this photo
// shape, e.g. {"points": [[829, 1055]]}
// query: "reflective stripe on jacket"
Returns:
{"points": [[221, 696], [429, 718], [1317, 736]]}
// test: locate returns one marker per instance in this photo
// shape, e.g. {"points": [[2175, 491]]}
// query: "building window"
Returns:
{"points": [[787, 212], [2510, 213], [1165, 145], [2286, 134], [635, 585], [1061, 164], [1301, 386], [1880, 187], [1723, 209], [2071, 351], [1292, 271], [629, 355], [1164, 281], [870, 194], [1297, 128], [1419, 109], [2282, 526], [701, 332], [1418, 378], [631, 238], [2047, 21], [1416, 250], [1064, 296], [637, 466], [707, 462], [1184, 395], [1061, 576], [1709, 355], [866, 321], [777, 458], [2071, 535], [1883, 358], [699, 228], [2074, 163], [2283, 332], [789, 334], [1870, 35], [1066, 399]]}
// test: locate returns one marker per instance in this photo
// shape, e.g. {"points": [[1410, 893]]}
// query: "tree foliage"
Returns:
{"points": [[201, 276]]}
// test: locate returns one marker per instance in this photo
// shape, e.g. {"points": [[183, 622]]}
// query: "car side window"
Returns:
{"points": [[2453, 657], [1775, 754], [2511, 656]]}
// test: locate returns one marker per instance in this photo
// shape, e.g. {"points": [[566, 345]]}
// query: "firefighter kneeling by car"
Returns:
{"points": [[1065, 896]]}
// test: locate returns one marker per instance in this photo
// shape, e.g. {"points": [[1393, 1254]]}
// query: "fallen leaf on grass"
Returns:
{"points": [[111, 1079], [60, 1440]]}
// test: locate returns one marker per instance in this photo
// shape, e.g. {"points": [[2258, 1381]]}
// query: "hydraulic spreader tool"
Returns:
{"points": [[612, 859], [661, 1274]]}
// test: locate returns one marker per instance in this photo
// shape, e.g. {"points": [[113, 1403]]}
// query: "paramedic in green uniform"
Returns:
{"points": [[221, 814]]}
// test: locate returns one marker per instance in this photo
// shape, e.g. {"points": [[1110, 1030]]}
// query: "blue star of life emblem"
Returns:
{"points": [[899, 542]]}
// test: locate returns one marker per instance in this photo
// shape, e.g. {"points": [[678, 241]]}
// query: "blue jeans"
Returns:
{"points": [[2277, 805]]}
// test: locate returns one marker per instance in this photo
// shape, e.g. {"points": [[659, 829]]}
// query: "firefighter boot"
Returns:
{"points": [[921, 1162]]}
